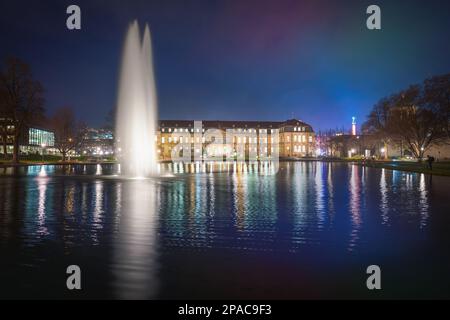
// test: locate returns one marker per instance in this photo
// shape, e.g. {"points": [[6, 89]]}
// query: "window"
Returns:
{"points": [[37, 137], [310, 139], [163, 140]]}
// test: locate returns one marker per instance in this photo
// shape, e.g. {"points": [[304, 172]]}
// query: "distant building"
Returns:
{"points": [[296, 138], [32, 140], [97, 142], [349, 145]]}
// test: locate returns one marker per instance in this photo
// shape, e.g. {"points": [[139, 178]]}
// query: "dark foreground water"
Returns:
{"points": [[309, 231]]}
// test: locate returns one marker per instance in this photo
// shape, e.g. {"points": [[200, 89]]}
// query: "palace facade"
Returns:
{"points": [[238, 139]]}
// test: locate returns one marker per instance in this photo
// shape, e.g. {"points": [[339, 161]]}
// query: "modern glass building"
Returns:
{"points": [[39, 137]]}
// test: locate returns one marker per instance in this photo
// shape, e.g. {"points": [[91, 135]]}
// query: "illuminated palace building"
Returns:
{"points": [[236, 138]]}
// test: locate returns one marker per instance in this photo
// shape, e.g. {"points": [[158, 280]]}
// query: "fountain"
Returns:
{"points": [[136, 117]]}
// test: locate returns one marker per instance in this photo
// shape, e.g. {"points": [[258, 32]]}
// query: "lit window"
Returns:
{"points": [[162, 140]]}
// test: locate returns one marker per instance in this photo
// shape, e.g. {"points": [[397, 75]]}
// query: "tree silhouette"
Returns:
{"points": [[22, 99], [69, 133]]}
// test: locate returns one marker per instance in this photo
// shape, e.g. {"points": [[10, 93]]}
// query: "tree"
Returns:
{"points": [[379, 123], [110, 120], [416, 121], [437, 95], [3, 121], [417, 116], [22, 99], [69, 133]]}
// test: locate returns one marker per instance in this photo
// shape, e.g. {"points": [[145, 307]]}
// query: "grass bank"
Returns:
{"points": [[441, 168]]}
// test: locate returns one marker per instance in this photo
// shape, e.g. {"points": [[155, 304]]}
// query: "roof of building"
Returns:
{"points": [[229, 124]]}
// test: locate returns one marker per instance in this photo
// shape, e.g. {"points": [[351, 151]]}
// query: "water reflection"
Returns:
{"points": [[423, 201], [125, 227], [384, 205], [42, 187], [134, 249], [355, 205]]}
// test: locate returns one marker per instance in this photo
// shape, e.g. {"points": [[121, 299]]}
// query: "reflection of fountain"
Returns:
{"points": [[136, 110], [135, 248]]}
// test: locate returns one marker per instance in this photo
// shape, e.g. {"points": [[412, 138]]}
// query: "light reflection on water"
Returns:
{"points": [[329, 207]]}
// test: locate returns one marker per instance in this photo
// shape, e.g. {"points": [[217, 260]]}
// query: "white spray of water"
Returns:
{"points": [[136, 118]]}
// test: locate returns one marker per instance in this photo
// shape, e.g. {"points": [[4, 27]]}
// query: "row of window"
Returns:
{"points": [[37, 137], [203, 140], [299, 138], [301, 148], [203, 130]]}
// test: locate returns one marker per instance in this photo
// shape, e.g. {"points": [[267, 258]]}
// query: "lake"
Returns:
{"points": [[224, 231]]}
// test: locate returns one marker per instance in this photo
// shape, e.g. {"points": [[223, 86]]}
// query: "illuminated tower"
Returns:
{"points": [[353, 126]]}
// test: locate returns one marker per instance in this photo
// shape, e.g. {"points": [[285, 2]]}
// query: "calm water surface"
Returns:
{"points": [[233, 231]]}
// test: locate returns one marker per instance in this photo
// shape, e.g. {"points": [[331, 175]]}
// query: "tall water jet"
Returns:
{"points": [[136, 118]]}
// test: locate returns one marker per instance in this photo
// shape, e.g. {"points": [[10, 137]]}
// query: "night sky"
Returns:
{"points": [[233, 59]]}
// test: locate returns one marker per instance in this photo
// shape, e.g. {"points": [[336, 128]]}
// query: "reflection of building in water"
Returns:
{"points": [[296, 138], [355, 206]]}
